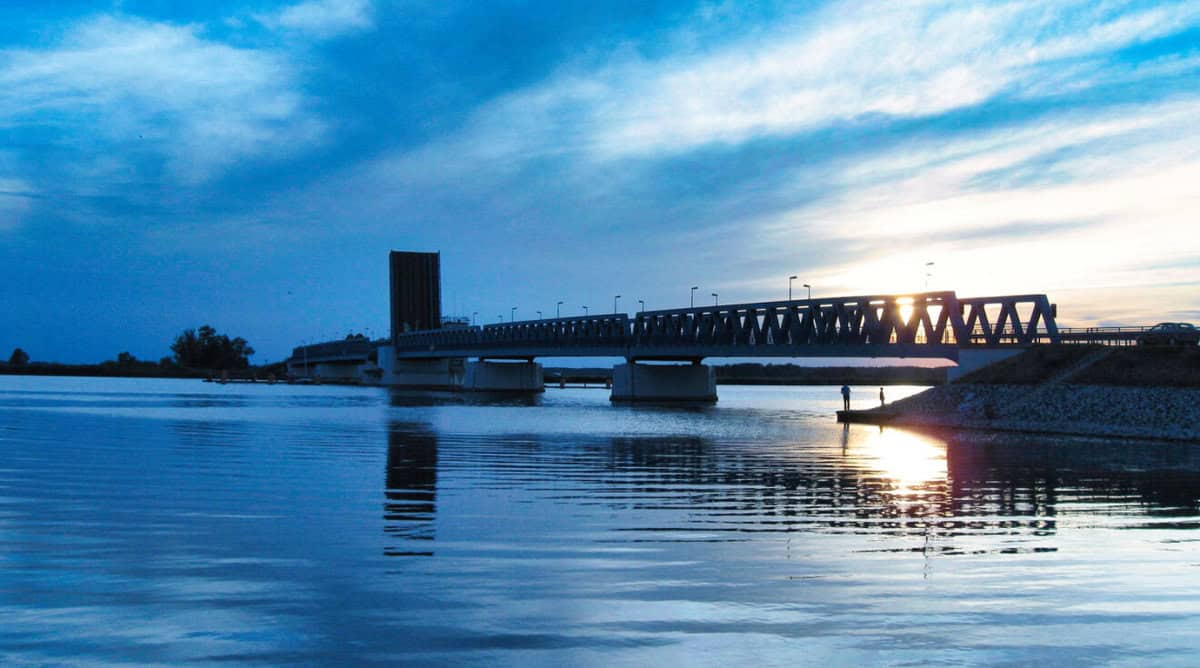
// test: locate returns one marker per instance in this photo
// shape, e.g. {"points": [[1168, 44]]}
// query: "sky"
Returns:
{"points": [[248, 164]]}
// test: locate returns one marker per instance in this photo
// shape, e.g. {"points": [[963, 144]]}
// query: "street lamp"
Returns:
{"points": [[692, 301], [539, 315], [558, 310], [615, 298], [809, 287], [642, 303], [499, 317], [715, 300], [790, 279], [928, 273], [512, 314], [585, 311]]}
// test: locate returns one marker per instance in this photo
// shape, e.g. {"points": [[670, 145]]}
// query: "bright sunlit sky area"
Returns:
{"points": [[248, 164]]}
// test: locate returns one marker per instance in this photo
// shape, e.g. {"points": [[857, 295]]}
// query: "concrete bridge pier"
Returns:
{"points": [[634, 382], [420, 374], [518, 376]]}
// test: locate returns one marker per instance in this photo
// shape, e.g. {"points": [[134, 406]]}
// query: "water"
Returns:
{"points": [[167, 522]]}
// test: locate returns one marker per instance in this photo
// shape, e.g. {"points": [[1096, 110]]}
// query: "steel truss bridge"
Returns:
{"points": [[929, 324]]}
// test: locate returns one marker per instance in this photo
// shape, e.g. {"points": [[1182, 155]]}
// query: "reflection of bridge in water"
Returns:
{"points": [[888, 483], [411, 489]]}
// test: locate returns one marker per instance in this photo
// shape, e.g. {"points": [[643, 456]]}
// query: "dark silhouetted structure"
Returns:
{"points": [[416, 291]]}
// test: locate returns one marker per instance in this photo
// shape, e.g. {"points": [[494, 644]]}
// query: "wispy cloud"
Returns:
{"points": [[157, 89], [323, 18], [15, 199], [850, 62]]}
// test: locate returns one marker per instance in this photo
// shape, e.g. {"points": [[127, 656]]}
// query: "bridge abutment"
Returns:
{"points": [[484, 376], [420, 374], [974, 359], [634, 382]]}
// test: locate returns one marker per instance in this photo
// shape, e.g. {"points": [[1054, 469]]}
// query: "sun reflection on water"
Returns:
{"points": [[911, 461]]}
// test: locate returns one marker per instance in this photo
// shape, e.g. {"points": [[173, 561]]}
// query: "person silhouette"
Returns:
{"points": [[846, 397], [881, 399]]}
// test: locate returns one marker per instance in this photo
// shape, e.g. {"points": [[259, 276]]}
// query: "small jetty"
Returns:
{"points": [[869, 416]]}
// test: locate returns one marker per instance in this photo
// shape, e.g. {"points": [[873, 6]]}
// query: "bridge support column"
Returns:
{"points": [[634, 382], [483, 376], [974, 359], [431, 374]]}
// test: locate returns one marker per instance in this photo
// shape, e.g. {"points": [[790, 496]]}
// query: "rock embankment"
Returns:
{"points": [[1136, 392], [1092, 410]]}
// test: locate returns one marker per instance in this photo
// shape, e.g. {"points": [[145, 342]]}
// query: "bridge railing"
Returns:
{"points": [[1109, 336], [335, 350], [582, 331], [446, 338]]}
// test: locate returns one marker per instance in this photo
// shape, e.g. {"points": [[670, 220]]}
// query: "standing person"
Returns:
{"points": [[846, 397], [881, 400]]}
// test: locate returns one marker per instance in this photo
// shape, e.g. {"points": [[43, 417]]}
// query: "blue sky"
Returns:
{"points": [[248, 164]]}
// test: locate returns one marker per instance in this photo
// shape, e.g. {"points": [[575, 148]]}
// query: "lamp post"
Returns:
{"points": [[928, 273], [499, 317], [692, 300], [642, 303], [615, 298], [512, 314], [558, 310], [809, 287], [716, 301], [539, 315], [790, 279], [585, 311]]}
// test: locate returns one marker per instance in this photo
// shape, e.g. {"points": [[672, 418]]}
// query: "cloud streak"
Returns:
{"points": [[129, 86], [324, 19], [851, 62]]}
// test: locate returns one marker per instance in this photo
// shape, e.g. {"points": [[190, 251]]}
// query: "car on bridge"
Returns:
{"points": [[1170, 334]]}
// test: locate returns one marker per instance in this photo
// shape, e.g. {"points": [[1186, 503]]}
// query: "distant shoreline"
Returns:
{"points": [[113, 371]]}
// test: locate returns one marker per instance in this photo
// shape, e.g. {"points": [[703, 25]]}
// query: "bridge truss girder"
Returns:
{"points": [[931, 324]]}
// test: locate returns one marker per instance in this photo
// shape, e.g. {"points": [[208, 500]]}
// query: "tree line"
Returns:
{"points": [[202, 348]]}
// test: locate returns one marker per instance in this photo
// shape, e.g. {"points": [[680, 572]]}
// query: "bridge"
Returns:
{"points": [[342, 360], [922, 325], [934, 324]]}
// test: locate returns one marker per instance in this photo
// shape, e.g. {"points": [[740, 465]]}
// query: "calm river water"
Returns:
{"points": [[168, 522]]}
